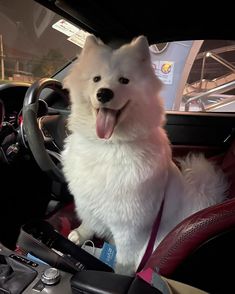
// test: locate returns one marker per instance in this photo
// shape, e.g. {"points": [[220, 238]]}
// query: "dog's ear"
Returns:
{"points": [[91, 42], [141, 47]]}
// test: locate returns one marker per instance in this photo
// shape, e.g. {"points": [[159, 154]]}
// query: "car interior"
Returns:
{"points": [[37, 209]]}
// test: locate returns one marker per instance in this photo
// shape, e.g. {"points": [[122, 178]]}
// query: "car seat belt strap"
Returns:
{"points": [[152, 238]]}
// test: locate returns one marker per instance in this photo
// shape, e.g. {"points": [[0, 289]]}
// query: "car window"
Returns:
{"points": [[34, 41], [197, 75]]}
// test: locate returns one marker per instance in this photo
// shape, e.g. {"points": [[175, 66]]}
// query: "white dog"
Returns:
{"points": [[117, 159]]}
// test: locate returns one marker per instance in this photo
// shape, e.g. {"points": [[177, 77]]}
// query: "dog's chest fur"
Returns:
{"points": [[116, 182]]}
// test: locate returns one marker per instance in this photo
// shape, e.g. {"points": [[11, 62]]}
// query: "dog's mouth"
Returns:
{"points": [[106, 121]]}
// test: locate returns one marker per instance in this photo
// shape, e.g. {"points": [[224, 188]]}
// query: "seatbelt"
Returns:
{"points": [[152, 239]]}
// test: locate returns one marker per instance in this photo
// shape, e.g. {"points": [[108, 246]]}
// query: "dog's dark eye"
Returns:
{"points": [[96, 79], [123, 80]]}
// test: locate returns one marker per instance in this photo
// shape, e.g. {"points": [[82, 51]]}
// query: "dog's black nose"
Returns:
{"points": [[104, 95]]}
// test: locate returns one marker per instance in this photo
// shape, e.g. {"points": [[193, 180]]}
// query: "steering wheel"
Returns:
{"points": [[46, 130]]}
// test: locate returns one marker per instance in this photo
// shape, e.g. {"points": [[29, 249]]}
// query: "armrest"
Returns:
{"points": [[96, 282]]}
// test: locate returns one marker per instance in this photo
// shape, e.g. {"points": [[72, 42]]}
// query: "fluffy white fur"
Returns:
{"points": [[118, 183]]}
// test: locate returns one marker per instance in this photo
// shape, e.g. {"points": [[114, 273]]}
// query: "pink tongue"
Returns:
{"points": [[105, 122]]}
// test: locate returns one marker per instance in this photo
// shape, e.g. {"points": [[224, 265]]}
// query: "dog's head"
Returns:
{"points": [[114, 92]]}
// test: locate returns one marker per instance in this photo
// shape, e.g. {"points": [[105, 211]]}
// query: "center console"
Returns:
{"points": [[47, 262], [19, 274]]}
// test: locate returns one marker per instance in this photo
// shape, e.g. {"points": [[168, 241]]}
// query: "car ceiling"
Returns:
{"points": [[159, 21]]}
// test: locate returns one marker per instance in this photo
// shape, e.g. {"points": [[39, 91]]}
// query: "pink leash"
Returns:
{"points": [[153, 236]]}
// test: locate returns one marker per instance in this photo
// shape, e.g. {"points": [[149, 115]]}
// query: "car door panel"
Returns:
{"points": [[200, 132]]}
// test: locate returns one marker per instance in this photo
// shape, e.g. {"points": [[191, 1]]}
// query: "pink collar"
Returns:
{"points": [[153, 236]]}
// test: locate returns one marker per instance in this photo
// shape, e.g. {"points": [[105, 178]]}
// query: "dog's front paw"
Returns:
{"points": [[75, 237], [80, 235]]}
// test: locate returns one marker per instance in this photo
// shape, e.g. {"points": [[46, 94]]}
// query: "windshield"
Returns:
{"points": [[34, 41], [197, 75]]}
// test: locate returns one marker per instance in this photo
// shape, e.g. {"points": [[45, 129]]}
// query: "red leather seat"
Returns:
{"points": [[190, 234], [200, 250]]}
